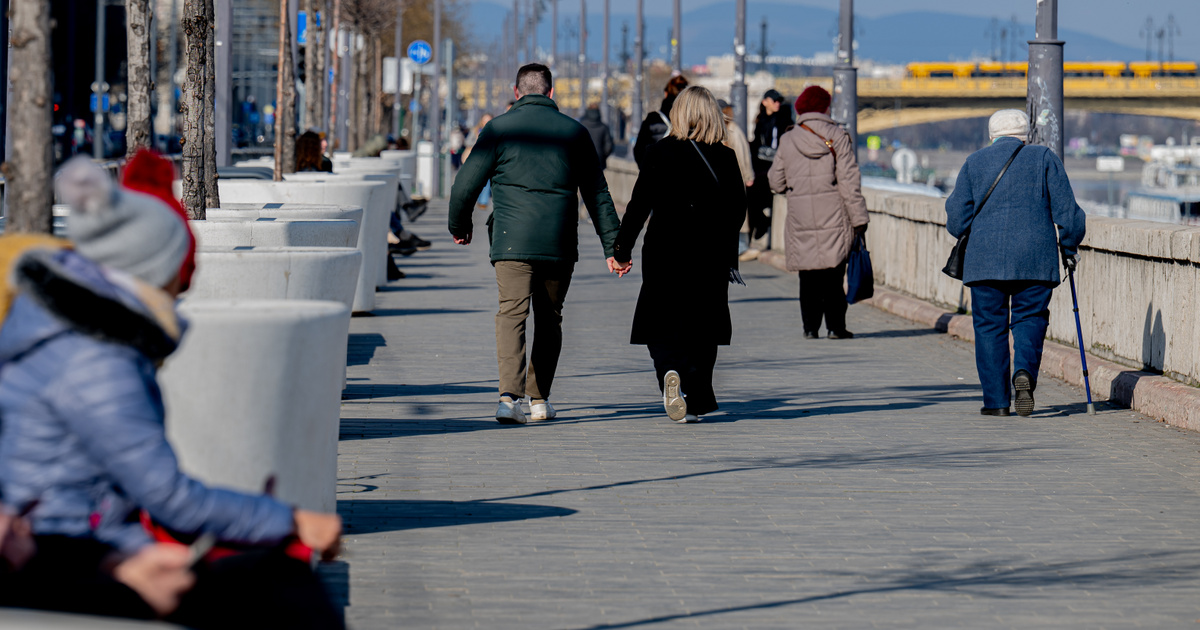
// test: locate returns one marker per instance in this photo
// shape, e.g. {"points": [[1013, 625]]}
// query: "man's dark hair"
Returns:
{"points": [[534, 78]]}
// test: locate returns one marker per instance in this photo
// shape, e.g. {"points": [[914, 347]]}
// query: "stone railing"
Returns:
{"points": [[1138, 281]]}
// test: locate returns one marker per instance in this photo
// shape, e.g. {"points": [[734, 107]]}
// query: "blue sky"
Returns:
{"points": [[1117, 20]]}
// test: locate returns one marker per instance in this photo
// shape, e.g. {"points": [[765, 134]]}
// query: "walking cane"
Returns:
{"points": [[1087, 385]]}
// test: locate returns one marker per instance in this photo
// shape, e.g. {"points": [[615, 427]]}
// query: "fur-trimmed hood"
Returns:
{"points": [[58, 291]]}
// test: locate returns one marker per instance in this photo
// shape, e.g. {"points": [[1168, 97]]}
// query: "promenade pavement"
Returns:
{"points": [[844, 484]]}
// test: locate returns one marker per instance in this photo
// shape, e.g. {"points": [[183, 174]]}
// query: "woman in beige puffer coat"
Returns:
{"points": [[817, 170]]}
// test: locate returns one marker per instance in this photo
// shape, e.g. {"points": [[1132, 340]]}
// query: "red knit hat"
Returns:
{"points": [[149, 173], [814, 98]]}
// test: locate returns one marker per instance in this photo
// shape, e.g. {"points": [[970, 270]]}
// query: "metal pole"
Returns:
{"points": [[530, 31], [582, 57], [845, 76], [223, 110], [553, 33], [491, 75], [1045, 96], [677, 35], [397, 112], [173, 42], [435, 106], [98, 85], [638, 43], [518, 46], [605, 115], [4, 84], [737, 93], [451, 121]]}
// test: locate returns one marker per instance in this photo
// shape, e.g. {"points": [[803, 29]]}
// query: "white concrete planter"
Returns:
{"points": [[372, 196], [276, 233], [386, 199], [255, 391], [277, 273]]}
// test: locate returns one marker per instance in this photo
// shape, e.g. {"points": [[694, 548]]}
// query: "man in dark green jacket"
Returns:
{"points": [[537, 160]]}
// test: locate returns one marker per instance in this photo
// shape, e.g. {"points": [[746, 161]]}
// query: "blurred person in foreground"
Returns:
{"points": [[83, 446], [1013, 254], [695, 197], [816, 170], [537, 159]]}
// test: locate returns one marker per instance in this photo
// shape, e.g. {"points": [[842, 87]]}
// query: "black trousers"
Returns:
{"points": [[695, 363], [822, 296]]}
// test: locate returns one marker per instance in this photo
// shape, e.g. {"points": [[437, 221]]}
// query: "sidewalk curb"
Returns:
{"points": [[1156, 396]]}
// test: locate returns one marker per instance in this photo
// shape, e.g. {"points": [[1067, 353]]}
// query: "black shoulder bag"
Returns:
{"points": [[958, 255], [734, 276]]}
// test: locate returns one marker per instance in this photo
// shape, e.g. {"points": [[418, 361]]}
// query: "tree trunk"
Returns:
{"points": [[28, 184], [314, 65], [362, 77], [376, 88], [212, 193], [137, 38], [285, 99], [334, 25], [195, 28]]}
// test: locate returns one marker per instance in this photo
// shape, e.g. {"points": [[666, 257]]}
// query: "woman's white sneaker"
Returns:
{"points": [[539, 411], [673, 400], [509, 411]]}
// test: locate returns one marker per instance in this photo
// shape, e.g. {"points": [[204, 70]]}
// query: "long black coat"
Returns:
{"points": [[690, 245]]}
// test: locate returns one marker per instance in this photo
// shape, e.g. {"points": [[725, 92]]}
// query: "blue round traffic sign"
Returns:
{"points": [[420, 52]]}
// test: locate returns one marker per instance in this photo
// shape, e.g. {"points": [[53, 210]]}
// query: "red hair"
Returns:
{"points": [[814, 98], [148, 172]]}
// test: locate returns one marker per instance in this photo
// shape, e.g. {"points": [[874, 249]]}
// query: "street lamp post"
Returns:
{"points": [[397, 112], [435, 105], [637, 66], [845, 75], [98, 87], [604, 114], [676, 38], [737, 93], [582, 57], [1045, 92]]}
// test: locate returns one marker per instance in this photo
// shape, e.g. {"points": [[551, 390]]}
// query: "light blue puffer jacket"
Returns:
{"points": [[81, 416]]}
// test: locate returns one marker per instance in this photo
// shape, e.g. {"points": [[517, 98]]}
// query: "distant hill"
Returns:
{"points": [[799, 30]]}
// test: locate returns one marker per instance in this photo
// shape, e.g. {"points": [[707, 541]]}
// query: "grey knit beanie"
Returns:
{"points": [[1009, 122], [120, 228]]}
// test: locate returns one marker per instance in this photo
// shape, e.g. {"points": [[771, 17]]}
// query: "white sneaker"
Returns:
{"points": [[691, 418], [673, 400], [542, 411], [509, 412]]}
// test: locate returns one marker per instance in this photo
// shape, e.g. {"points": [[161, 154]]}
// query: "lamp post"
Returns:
{"points": [[737, 92], [1045, 92], [676, 38], [435, 105], [845, 75], [604, 115], [638, 43]]}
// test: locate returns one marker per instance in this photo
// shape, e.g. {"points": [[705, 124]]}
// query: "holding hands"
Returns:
{"points": [[619, 268]]}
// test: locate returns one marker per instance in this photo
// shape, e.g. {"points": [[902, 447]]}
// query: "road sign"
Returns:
{"points": [[420, 52], [1110, 164]]}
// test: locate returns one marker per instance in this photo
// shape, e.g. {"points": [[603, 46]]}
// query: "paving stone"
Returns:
{"points": [[844, 484]]}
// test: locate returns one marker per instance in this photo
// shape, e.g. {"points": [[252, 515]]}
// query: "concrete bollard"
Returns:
{"points": [[277, 273], [254, 391], [371, 196], [276, 233]]}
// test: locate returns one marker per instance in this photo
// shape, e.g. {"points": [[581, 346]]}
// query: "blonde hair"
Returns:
{"points": [[696, 116]]}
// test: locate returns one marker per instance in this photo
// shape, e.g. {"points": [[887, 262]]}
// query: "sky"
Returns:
{"points": [[1117, 20]]}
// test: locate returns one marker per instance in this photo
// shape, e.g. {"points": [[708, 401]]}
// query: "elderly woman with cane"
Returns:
{"points": [[693, 193], [1009, 197]]}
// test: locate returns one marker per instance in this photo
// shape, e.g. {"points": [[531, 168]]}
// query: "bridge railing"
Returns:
{"points": [[1139, 281]]}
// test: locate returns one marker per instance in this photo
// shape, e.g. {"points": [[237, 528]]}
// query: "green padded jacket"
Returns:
{"points": [[536, 158]]}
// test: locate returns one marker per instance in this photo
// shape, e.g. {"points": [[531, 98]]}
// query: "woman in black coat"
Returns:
{"points": [[692, 191], [774, 119]]}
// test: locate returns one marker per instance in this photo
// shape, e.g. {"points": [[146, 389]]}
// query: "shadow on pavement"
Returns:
{"points": [[994, 579], [368, 516], [362, 346], [367, 392], [409, 312], [376, 428], [898, 334]]}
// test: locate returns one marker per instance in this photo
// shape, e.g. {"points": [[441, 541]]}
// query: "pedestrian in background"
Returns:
{"points": [[309, 157], [736, 140], [485, 197], [538, 160], [601, 136], [774, 119], [816, 169], [1011, 263], [694, 195], [657, 124]]}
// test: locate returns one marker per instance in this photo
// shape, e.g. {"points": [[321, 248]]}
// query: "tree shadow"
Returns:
{"points": [[366, 391], [362, 346], [1003, 578], [369, 516]]}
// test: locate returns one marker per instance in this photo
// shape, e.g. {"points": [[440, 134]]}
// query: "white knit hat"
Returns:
{"points": [[1009, 122], [120, 228]]}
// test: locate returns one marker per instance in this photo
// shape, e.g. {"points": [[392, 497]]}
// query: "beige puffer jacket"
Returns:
{"points": [[824, 207]]}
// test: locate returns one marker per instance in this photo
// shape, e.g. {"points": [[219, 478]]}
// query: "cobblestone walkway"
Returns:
{"points": [[845, 484]]}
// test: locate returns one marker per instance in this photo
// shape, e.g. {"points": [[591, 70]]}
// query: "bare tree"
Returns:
{"points": [[212, 192], [27, 176], [197, 106], [140, 85], [314, 64], [285, 100]]}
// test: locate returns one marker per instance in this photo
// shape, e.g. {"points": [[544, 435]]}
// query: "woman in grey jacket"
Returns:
{"points": [[1012, 257]]}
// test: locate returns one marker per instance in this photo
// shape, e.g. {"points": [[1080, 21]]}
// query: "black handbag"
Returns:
{"points": [[958, 255]]}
